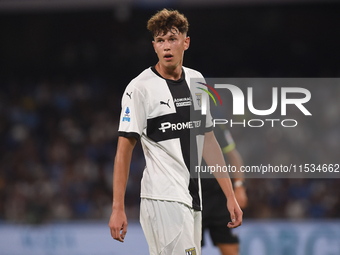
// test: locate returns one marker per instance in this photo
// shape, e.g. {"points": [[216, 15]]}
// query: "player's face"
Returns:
{"points": [[170, 48]]}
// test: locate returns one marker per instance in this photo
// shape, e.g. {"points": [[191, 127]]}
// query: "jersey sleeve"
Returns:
{"points": [[194, 84], [208, 120], [133, 115]]}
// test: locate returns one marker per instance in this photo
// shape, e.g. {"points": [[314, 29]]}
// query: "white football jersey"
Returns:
{"points": [[166, 116]]}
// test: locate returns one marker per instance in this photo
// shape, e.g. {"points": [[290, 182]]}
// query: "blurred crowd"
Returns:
{"points": [[57, 149], [58, 141]]}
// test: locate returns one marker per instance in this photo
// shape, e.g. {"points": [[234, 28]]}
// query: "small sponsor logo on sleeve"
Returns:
{"points": [[129, 95], [126, 116]]}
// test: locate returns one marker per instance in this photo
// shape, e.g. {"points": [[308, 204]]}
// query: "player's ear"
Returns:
{"points": [[153, 44], [186, 42]]}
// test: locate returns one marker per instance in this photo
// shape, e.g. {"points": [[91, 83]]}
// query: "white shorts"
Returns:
{"points": [[171, 227]]}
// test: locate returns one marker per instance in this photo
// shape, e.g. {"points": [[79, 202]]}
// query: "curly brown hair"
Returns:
{"points": [[167, 20]]}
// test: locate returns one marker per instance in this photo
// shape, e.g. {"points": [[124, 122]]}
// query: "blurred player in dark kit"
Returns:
{"points": [[215, 216]]}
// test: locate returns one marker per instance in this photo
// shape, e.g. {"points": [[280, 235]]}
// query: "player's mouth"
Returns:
{"points": [[168, 57]]}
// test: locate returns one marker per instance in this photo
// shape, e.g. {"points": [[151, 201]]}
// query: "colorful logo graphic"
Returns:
{"points": [[127, 115], [199, 97]]}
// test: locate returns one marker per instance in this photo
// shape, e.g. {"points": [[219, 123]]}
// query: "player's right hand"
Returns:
{"points": [[241, 196], [235, 213], [118, 224]]}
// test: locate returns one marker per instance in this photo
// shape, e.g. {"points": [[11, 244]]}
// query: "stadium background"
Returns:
{"points": [[64, 66]]}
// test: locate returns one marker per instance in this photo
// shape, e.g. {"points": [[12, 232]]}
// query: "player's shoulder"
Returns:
{"points": [[192, 73], [142, 81]]}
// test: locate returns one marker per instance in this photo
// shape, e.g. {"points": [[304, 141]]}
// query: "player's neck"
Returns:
{"points": [[169, 73]]}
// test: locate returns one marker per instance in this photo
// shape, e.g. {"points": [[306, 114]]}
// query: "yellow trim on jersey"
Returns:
{"points": [[229, 148]]}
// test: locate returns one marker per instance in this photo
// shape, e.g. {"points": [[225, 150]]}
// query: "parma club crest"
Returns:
{"points": [[199, 99], [191, 251]]}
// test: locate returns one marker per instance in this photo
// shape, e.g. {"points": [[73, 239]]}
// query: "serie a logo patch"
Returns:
{"points": [[191, 251], [127, 115]]}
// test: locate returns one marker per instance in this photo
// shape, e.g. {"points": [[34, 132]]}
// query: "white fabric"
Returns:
{"points": [[171, 228], [166, 176]]}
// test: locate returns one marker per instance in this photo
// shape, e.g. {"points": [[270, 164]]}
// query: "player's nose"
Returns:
{"points": [[166, 45]]}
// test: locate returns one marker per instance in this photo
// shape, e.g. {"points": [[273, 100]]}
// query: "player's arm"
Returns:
{"points": [[213, 156], [235, 159], [118, 220]]}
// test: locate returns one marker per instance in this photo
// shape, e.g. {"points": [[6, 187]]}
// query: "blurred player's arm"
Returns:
{"points": [[118, 220], [213, 156], [235, 159]]}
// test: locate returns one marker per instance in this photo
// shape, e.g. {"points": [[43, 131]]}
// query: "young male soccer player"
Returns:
{"points": [[215, 216], [158, 108]]}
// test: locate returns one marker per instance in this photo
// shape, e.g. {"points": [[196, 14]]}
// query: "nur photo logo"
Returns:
{"points": [[281, 97]]}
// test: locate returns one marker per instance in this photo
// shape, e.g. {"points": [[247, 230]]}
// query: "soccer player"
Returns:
{"points": [[158, 108], [215, 216]]}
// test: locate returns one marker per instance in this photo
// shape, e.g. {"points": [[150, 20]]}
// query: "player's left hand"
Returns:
{"points": [[118, 224], [235, 213]]}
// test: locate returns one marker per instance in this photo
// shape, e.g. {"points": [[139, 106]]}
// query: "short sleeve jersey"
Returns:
{"points": [[166, 116]]}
